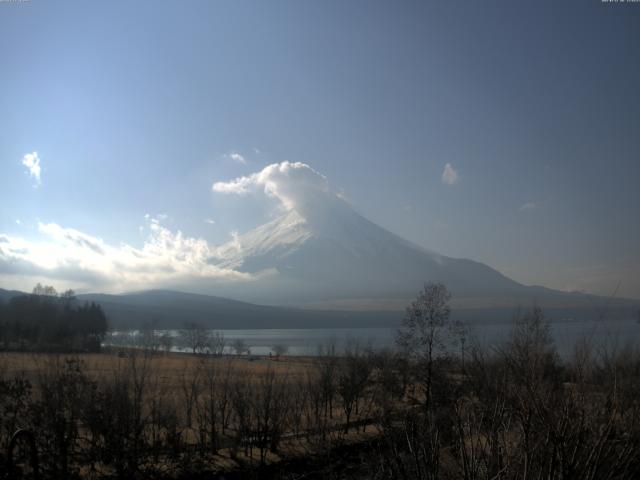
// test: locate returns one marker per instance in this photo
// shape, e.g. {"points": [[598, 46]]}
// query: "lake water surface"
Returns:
{"points": [[610, 334]]}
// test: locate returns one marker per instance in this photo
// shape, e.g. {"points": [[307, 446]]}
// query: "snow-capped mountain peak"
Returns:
{"points": [[324, 251], [277, 237]]}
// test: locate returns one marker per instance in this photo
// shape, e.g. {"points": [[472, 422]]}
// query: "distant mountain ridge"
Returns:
{"points": [[6, 295], [171, 309]]}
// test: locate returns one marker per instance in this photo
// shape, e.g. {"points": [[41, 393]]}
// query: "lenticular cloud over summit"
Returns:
{"points": [[294, 184]]}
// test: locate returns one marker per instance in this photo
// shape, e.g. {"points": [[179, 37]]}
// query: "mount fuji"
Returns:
{"points": [[319, 264], [323, 253]]}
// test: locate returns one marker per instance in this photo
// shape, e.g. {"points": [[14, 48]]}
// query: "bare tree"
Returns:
{"points": [[224, 393], [327, 363], [44, 291], [422, 333], [240, 346], [240, 401], [279, 349], [166, 342], [217, 343], [208, 411], [195, 337], [148, 338], [421, 338], [353, 377], [266, 415]]}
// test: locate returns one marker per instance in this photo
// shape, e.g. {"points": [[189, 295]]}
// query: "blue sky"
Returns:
{"points": [[137, 108]]}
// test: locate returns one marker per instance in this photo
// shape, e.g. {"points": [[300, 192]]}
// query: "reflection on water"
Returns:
{"points": [[612, 334]]}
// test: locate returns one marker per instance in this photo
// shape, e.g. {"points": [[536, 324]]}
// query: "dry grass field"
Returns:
{"points": [[170, 368], [184, 397]]}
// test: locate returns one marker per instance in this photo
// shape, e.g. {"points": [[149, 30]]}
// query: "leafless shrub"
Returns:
{"points": [[279, 349], [166, 342], [195, 337], [15, 398], [240, 347], [353, 378], [117, 418], [56, 411], [216, 343]]}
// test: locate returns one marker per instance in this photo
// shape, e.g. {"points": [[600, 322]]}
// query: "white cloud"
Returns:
{"points": [[32, 162], [210, 221], [527, 206], [166, 259], [449, 175], [236, 157], [239, 186], [235, 240], [294, 184]]}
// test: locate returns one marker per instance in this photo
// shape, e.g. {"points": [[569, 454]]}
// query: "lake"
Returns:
{"points": [[610, 333]]}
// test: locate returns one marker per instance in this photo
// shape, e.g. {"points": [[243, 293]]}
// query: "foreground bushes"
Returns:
{"points": [[514, 412], [519, 412]]}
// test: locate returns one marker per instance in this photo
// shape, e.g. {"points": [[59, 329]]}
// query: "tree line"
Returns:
{"points": [[48, 321]]}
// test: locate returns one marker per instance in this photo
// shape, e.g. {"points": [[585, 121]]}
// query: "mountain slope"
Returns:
{"points": [[325, 254], [172, 309], [331, 252], [6, 295]]}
